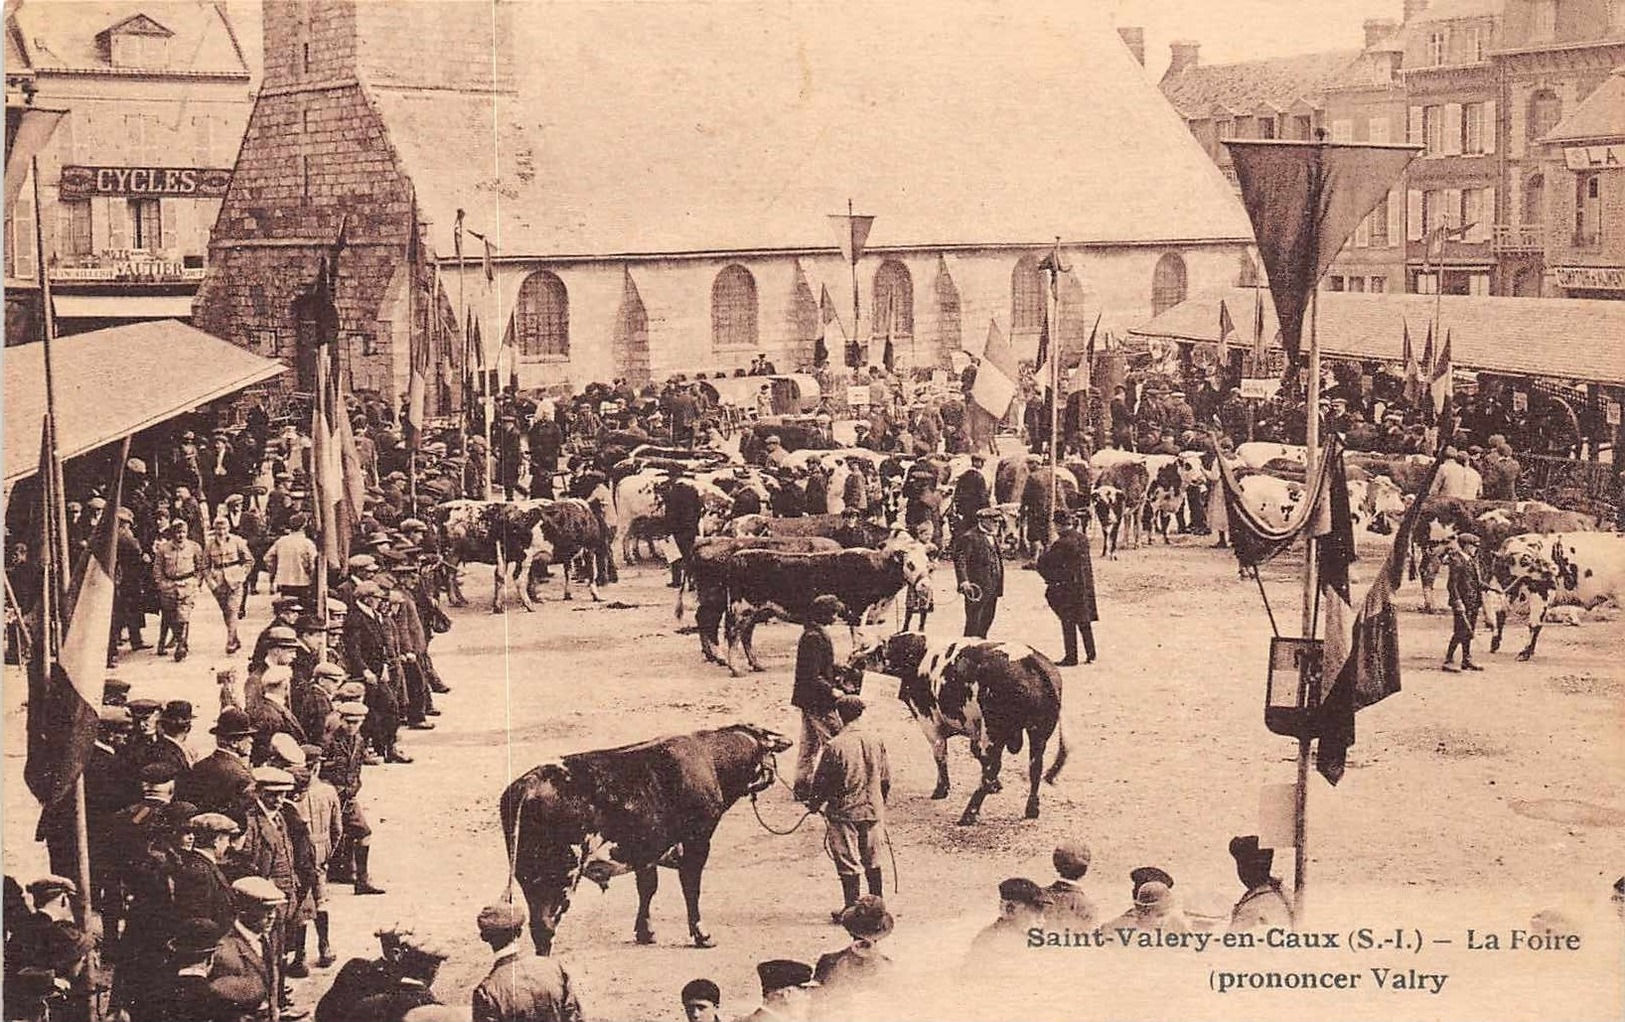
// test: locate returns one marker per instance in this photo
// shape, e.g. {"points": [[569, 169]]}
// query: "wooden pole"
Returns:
{"points": [[1054, 383], [857, 338], [1300, 802]]}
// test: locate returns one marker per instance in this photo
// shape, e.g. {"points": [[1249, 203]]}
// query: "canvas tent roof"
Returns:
{"points": [[1562, 338], [707, 127], [114, 382]]}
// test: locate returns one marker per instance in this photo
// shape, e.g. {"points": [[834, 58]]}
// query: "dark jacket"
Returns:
{"points": [[815, 673], [1465, 586], [524, 987], [366, 644], [684, 507], [220, 783], [1070, 576], [202, 890], [976, 559]]}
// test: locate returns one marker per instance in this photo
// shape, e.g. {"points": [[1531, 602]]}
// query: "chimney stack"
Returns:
{"points": [[1413, 8], [1134, 39], [1183, 54], [1378, 29]]}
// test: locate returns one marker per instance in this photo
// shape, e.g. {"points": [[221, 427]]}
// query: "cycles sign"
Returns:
{"points": [[150, 182]]}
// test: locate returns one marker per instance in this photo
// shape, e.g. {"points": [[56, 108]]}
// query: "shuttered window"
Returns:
{"points": [[734, 309], [1167, 283], [541, 317]]}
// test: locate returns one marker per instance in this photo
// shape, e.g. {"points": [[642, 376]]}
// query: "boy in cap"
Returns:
{"points": [[701, 1000], [1465, 590], [785, 996], [814, 693], [200, 884], [317, 803], [1067, 904], [521, 986], [859, 966], [1153, 908], [851, 786], [1264, 905], [343, 758]]}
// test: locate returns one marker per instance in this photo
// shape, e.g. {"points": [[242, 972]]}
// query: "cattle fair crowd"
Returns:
{"points": [[209, 876]]}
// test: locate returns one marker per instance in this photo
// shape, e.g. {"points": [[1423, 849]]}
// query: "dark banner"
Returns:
{"points": [[156, 182]]}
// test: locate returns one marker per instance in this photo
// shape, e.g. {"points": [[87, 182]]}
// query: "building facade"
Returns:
{"points": [[156, 95], [1585, 214], [1365, 102], [1555, 54], [523, 218]]}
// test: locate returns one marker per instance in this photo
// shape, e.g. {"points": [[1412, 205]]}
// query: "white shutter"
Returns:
{"points": [[1413, 126], [1488, 212], [101, 220], [1489, 125], [1395, 210], [1414, 229], [1450, 216], [169, 225], [1452, 129], [1362, 234], [118, 224], [1342, 130]]}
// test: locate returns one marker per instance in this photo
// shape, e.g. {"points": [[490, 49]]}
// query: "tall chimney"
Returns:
{"points": [[1183, 54], [1134, 39], [1378, 29], [1413, 8]]}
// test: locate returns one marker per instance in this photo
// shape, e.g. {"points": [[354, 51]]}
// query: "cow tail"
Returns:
{"points": [[513, 849], [1060, 753]]}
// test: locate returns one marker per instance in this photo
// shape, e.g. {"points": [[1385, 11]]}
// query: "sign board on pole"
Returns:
{"points": [[1276, 804], [1259, 389], [1612, 413], [1520, 401], [857, 396]]}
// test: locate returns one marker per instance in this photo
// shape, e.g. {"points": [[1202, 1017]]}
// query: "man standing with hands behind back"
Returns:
{"points": [[1070, 577], [980, 573]]}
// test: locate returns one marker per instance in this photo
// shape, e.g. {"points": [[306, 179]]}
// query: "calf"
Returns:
{"points": [[1108, 503], [1131, 479], [995, 693], [764, 584]]}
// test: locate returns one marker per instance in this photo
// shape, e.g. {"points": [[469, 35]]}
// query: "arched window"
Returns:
{"points": [[1545, 110], [894, 301], [541, 317], [949, 338], [1167, 283], [1534, 200], [1028, 303], [733, 308]]}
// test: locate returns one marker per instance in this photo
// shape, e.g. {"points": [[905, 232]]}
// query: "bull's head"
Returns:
{"points": [[768, 745], [1190, 468], [914, 556], [1525, 563]]}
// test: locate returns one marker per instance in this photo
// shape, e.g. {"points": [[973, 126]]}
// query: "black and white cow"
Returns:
{"points": [[515, 535], [629, 810], [1129, 480], [1164, 500], [706, 572], [997, 694], [767, 584], [1583, 568]]}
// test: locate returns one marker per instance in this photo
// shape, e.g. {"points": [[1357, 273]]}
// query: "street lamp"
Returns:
{"points": [[1292, 691]]}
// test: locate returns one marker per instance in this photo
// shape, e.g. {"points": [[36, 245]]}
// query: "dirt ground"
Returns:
{"points": [[1470, 801]]}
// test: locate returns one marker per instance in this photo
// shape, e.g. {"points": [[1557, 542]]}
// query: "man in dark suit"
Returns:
{"points": [[169, 746], [221, 782], [367, 656], [201, 887], [980, 573], [242, 951], [416, 967], [546, 443], [1070, 576]]}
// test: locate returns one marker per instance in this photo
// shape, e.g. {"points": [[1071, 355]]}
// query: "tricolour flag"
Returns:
{"points": [[1413, 369], [1441, 387], [340, 482], [1367, 671], [830, 328], [1227, 326], [1260, 350], [65, 694], [996, 376]]}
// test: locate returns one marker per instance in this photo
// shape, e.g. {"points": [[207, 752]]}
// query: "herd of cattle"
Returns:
{"points": [[599, 814]]}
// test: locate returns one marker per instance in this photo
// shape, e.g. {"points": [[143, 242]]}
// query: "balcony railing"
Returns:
{"points": [[1588, 239], [1517, 238]]}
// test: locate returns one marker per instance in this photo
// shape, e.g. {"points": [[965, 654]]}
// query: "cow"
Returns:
{"points": [[640, 507], [1164, 500], [1010, 477], [836, 527], [1273, 500], [1131, 479], [1257, 454], [1108, 507], [569, 533], [629, 810], [765, 584], [1036, 512], [706, 574], [1445, 518], [995, 693], [1577, 567], [503, 533], [1408, 471]]}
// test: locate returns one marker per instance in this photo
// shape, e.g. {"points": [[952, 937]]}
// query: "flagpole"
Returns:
{"points": [[322, 498], [857, 337], [462, 325], [1054, 389], [57, 533]]}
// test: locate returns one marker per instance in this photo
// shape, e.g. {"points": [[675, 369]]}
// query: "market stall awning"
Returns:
{"points": [[123, 306], [115, 382], [1562, 338]]}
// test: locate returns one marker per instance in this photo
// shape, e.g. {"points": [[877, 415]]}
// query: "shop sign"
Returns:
{"points": [[127, 267], [152, 182], [1588, 278], [1260, 389], [1594, 157]]}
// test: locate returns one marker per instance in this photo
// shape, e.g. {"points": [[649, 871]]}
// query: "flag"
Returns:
{"points": [[1082, 379], [65, 694], [417, 382], [1441, 387], [888, 356], [340, 483], [490, 271], [995, 385], [1044, 370], [1304, 201], [853, 233], [457, 237], [1260, 350], [1227, 326], [1369, 669], [1413, 370], [830, 319]]}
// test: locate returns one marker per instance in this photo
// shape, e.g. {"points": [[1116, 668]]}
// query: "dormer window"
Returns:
{"points": [[136, 42]]}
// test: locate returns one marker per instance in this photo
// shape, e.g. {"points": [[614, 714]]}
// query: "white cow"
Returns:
{"points": [[1272, 499], [1584, 568], [1257, 454], [642, 514]]}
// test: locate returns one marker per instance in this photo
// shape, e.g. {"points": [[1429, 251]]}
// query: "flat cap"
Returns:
{"points": [[1150, 874], [142, 707], [273, 778], [1071, 859], [48, 887], [286, 748], [158, 771], [1153, 894], [213, 823], [257, 889], [778, 973], [501, 916], [363, 562], [352, 691], [328, 670], [1021, 891], [352, 709], [422, 944], [282, 635], [368, 591], [411, 524]]}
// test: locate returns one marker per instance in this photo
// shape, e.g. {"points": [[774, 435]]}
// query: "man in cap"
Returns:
{"points": [[46, 954], [317, 803], [1264, 905], [1153, 909], [269, 713], [1021, 905], [226, 559], [1069, 575], [369, 652], [1067, 904], [785, 991], [701, 1000], [416, 966], [174, 725], [362, 977], [129, 579], [521, 986], [815, 692], [315, 708], [200, 883], [245, 952], [276, 845], [844, 976], [979, 571], [1465, 590], [181, 991], [285, 612], [851, 786], [176, 563], [291, 562], [343, 758], [107, 790], [222, 782]]}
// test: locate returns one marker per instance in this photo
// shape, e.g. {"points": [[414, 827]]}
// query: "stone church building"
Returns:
{"points": [[605, 189]]}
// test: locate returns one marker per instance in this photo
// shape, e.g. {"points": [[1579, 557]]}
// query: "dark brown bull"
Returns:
{"points": [[707, 574], [629, 810]]}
